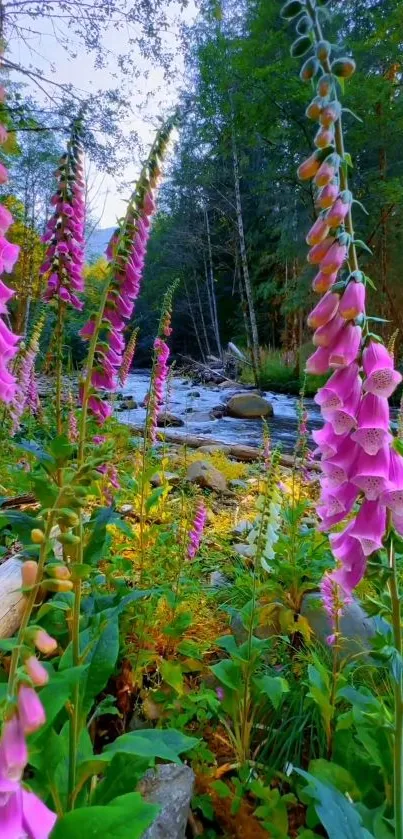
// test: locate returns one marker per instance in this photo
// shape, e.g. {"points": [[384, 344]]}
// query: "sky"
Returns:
{"points": [[44, 53]]}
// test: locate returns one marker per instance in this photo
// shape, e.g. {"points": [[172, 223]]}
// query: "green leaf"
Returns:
{"points": [[172, 675], [99, 647], [347, 158], [154, 498], [338, 816], [126, 817], [228, 672], [221, 789], [166, 744], [45, 491], [54, 697], [333, 775], [21, 524], [97, 526], [122, 775], [369, 282], [359, 243], [274, 687]]}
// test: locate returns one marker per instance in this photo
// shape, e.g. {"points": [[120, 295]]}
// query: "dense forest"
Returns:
{"points": [[232, 213]]}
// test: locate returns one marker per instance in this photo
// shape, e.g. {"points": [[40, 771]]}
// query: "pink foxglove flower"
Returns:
{"points": [[333, 258], [30, 709], [318, 232], [345, 349], [337, 213], [327, 335], [161, 369], [373, 424], [369, 526], [393, 495], [381, 377], [344, 419], [341, 465], [338, 388], [323, 282], [196, 531], [371, 473], [328, 195], [318, 362], [327, 440], [333, 599]]}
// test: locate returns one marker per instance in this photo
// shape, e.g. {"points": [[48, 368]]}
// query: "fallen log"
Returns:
{"points": [[12, 600], [238, 452]]}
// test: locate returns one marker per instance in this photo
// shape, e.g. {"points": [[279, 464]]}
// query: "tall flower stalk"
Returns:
{"points": [[8, 257], [128, 357], [26, 395], [64, 236], [362, 469]]}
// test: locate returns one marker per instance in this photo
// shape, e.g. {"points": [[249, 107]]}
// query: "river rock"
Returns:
{"points": [[171, 787], [217, 413], [201, 416], [249, 406], [236, 483], [356, 627], [128, 405], [207, 476], [242, 528], [245, 550], [229, 384], [171, 478], [218, 580], [167, 419], [195, 394]]}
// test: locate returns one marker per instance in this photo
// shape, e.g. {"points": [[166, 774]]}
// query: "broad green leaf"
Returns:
{"points": [[121, 776], [338, 816], [154, 498], [126, 817], [172, 675], [61, 449], [334, 775], [166, 744], [229, 673], [274, 687], [99, 647]]}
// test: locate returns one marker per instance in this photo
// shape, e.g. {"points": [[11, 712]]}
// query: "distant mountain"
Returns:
{"points": [[97, 243]]}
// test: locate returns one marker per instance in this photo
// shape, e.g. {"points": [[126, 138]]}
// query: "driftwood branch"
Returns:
{"points": [[238, 452], [12, 599]]}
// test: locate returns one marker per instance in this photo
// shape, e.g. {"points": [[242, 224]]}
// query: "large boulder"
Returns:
{"points": [[356, 627], [171, 787], [214, 448], [206, 476], [249, 406], [167, 419]]}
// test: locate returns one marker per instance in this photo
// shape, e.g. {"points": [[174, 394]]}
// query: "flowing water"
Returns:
{"points": [[193, 403]]}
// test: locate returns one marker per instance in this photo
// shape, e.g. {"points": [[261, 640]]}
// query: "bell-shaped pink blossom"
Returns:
{"points": [[3, 174], [13, 749], [318, 362], [339, 468], [308, 168], [327, 441], [352, 304], [397, 522], [373, 424], [324, 311], [336, 499], [370, 525], [393, 496], [345, 349], [36, 671], [318, 232], [8, 255], [382, 379], [338, 388], [344, 419], [353, 569], [44, 642], [323, 282], [328, 195], [6, 219], [326, 336], [371, 472], [326, 172], [333, 258], [30, 709], [37, 820]]}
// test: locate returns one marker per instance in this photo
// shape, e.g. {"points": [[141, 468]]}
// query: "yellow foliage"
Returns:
{"points": [[231, 469]]}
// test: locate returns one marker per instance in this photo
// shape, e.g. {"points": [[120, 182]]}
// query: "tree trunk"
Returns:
{"points": [[244, 262], [212, 289], [196, 331], [203, 322], [244, 307]]}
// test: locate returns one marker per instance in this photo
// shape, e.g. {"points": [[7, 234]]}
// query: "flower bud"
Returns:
{"points": [[291, 9], [37, 536], [301, 46], [334, 258], [30, 709], [318, 362], [58, 572], [29, 572], [304, 25], [308, 168], [324, 311], [325, 85], [330, 114], [318, 252], [44, 642], [309, 69], [338, 212], [36, 671], [328, 195], [327, 170], [324, 137], [352, 303], [318, 232], [314, 108], [344, 67], [68, 538], [323, 50], [322, 282], [58, 585]]}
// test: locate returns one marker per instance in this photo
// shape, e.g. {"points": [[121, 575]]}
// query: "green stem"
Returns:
{"points": [[59, 367], [398, 694]]}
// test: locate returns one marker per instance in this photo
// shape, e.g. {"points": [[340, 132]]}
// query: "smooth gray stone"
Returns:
{"points": [[171, 787]]}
